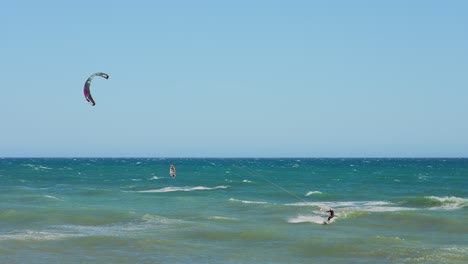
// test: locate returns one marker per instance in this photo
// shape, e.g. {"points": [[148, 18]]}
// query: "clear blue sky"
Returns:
{"points": [[234, 78]]}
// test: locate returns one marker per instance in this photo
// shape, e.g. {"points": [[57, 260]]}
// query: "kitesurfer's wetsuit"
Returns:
{"points": [[332, 214]]}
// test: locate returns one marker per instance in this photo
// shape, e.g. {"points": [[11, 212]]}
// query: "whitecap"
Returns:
{"points": [[156, 219], [52, 197], [313, 192], [36, 167], [183, 189], [223, 218], [369, 206], [449, 203], [37, 235], [246, 202]]}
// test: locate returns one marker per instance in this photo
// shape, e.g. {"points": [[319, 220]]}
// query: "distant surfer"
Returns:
{"points": [[332, 214], [172, 171]]}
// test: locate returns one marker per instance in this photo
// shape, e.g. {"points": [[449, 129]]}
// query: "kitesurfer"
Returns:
{"points": [[172, 171], [332, 214]]}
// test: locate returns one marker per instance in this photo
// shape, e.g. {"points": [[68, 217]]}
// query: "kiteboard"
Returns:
{"points": [[326, 222]]}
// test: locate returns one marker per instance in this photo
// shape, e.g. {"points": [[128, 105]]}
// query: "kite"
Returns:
{"points": [[87, 92]]}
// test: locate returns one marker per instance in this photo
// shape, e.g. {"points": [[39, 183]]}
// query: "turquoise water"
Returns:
{"points": [[233, 211]]}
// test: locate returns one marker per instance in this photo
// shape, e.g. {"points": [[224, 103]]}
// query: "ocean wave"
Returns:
{"points": [[126, 229], [8, 214], [128, 187], [52, 197], [229, 235], [156, 219], [434, 202], [223, 218], [386, 240], [345, 208], [368, 206], [246, 202], [449, 202], [37, 167], [183, 189], [37, 235], [313, 192], [308, 219]]}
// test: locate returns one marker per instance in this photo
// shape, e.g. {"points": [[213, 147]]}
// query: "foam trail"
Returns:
{"points": [[307, 219], [369, 206]]}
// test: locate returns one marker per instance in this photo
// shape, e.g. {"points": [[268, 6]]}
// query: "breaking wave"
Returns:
{"points": [[183, 189]]}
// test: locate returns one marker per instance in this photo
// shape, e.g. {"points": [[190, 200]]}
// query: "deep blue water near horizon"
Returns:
{"points": [[129, 210]]}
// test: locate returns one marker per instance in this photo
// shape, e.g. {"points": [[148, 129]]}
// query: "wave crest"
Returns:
{"points": [[246, 202], [183, 189], [435, 202], [313, 192]]}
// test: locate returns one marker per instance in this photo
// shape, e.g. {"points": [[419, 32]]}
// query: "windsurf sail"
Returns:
{"points": [[172, 171], [87, 92]]}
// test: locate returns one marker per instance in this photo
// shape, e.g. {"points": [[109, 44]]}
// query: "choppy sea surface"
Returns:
{"points": [[93, 210]]}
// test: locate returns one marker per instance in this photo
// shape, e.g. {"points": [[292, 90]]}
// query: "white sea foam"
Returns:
{"points": [[183, 189], [308, 219], [156, 219], [246, 181], [52, 197], [223, 218], [155, 178], [38, 235], [456, 249], [246, 202], [449, 203], [36, 167], [313, 192], [369, 206], [343, 210], [71, 231]]}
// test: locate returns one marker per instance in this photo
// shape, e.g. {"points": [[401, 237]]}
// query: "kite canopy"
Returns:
{"points": [[87, 92]]}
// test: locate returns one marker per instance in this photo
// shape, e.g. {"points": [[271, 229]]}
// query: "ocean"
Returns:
{"points": [[129, 210]]}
